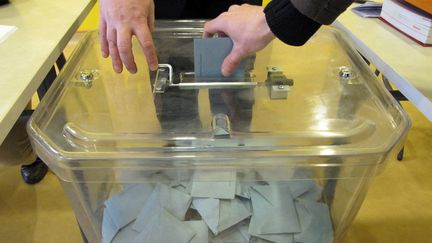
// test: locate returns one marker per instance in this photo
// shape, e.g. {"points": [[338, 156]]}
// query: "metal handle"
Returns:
{"points": [[164, 80]]}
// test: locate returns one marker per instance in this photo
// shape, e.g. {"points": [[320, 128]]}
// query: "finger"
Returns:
{"points": [[213, 26], [103, 37], [151, 19], [222, 34], [232, 61], [145, 39], [233, 7], [124, 46], [114, 53]]}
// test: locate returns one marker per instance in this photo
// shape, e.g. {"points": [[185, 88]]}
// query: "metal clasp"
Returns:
{"points": [[277, 83], [347, 75], [187, 80], [221, 126], [87, 76]]}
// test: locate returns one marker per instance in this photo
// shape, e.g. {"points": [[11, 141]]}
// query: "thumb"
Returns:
{"points": [[232, 61]]}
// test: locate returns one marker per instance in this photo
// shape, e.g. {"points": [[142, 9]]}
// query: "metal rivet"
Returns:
{"points": [[86, 75], [345, 72]]}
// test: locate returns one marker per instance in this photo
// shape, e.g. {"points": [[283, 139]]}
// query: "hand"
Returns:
{"points": [[246, 25], [119, 21]]}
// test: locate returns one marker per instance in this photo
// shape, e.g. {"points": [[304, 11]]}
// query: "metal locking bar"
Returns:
{"points": [[164, 80], [277, 83]]}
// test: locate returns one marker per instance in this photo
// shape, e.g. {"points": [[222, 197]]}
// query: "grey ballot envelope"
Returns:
{"points": [[209, 54]]}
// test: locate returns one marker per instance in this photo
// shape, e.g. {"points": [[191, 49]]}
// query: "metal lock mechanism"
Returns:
{"points": [[86, 77], [186, 80], [221, 126], [347, 75], [277, 83]]}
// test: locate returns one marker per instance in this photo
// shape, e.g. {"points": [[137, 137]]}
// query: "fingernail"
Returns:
{"points": [[104, 54], [117, 69], [225, 72]]}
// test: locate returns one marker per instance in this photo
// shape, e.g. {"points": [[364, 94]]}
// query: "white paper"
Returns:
{"points": [[232, 235], [124, 207], [109, 229], [315, 222], [299, 187], [182, 186], [214, 184], [260, 213], [125, 235], [201, 230], [6, 31], [258, 240], [174, 201], [244, 181], [313, 194], [242, 188], [274, 216], [231, 212], [208, 208], [165, 228], [243, 228]]}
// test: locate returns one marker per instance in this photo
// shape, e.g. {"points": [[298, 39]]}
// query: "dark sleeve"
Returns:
{"points": [[288, 24], [321, 11]]}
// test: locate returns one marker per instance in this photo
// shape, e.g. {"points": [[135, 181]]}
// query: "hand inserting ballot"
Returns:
{"points": [[250, 27], [246, 25]]}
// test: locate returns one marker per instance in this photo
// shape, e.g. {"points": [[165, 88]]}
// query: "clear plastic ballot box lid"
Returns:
{"points": [[314, 106]]}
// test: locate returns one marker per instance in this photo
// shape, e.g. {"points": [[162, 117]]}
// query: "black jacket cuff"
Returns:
{"points": [[288, 24]]}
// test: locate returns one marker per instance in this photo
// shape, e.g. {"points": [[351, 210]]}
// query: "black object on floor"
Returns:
{"points": [[34, 172]]}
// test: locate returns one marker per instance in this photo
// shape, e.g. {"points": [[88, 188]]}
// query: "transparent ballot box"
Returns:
{"points": [[283, 151]]}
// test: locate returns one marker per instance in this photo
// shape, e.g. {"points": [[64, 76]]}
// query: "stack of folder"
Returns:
{"points": [[411, 17]]}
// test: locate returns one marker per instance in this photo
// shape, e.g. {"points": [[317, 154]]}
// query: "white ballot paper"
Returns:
{"points": [[174, 201], [109, 229], [214, 184], [236, 234], [220, 215], [274, 215], [258, 240], [230, 235], [201, 230], [125, 206], [313, 194], [244, 181], [299, 187], [231, 212], [182, 186], [235, 207], [125, 235], [165, 228], [315, 222], [208, 208]]}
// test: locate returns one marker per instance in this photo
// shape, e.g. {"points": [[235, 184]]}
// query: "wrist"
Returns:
{"points": [[288, 24], [266, 31]]}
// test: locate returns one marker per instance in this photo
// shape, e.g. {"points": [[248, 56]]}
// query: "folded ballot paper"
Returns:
{"points": [[237, 208], [209, 54]]}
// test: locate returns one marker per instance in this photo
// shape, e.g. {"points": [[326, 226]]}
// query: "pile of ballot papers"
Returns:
{"points": [[219, 207]]}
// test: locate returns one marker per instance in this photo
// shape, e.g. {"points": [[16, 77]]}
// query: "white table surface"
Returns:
{"points": [[44, 29], [404, 62]]}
